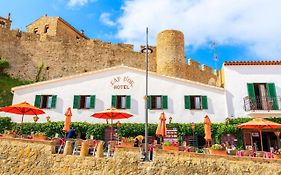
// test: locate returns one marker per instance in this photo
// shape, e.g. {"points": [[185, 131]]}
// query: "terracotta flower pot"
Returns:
{"points": [[175, 148], [277, 156], [40, 137], [127, 144], [217, 152]]}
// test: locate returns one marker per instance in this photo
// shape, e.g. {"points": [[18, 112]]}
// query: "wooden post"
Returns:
{"points": [[261, 140]]}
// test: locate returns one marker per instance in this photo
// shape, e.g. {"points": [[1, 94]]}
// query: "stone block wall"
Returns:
{"points": [[36, 157], [61, 57]]}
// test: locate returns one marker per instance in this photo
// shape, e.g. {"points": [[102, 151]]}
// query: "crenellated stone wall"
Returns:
{"points": [[61, 57], [35, 157]]}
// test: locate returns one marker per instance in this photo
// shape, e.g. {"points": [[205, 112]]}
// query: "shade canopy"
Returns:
{"points": [[23, 108], [112, 114], [260, 123], [161, 128], [67, 122], [207, 128]]}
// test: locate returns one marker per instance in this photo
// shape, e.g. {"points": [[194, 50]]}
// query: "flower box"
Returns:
{"points": [[277, 156], [175, 148], [39, 137], [218, 151], [127, 144], [9, 135]]}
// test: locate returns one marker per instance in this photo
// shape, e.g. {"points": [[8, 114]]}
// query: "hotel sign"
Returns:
{"points": [[122, 82]]}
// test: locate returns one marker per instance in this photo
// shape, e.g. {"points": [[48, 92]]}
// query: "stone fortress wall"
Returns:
{"points": [[64, 56]]}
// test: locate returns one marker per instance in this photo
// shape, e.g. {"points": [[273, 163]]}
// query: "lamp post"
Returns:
{"points": [[35, 118], [48, 118], [146, 50], [193, 130], [170, 120]]}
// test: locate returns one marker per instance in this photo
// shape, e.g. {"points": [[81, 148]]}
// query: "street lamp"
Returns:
{"points": [[146, 50], [193, 130], [170, 120], [48, 118]]}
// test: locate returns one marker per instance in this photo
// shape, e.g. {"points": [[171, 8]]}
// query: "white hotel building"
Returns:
{"points": [[250, 89]]}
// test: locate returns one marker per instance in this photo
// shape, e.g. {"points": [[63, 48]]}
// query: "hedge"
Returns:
{"points": [[128, 129]]}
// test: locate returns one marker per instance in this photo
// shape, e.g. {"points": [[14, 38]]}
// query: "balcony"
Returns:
{"points": [[262, 107]]}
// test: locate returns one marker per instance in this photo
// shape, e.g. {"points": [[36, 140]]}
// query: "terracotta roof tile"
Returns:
{"points": [[240, 63]]}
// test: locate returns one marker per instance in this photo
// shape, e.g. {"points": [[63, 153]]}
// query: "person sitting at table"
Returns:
{"points": [[71, 134]]}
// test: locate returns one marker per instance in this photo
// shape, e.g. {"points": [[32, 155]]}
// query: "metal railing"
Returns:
{"points": [[262, 103]]}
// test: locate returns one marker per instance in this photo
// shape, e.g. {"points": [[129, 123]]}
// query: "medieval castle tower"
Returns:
{"points": [[62, 50]]}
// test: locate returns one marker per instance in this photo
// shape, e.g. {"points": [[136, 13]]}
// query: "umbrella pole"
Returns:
{"points": [[111, 130], [21, 126]]}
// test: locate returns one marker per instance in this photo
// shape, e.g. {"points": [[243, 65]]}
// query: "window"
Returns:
{"points": [[121, 101], [35, 31], [46, 29], [84, 101], [262, 96], [157, 102], [45, 101], [196, 102]]}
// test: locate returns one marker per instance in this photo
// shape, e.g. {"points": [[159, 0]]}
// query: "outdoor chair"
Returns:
{"points": [[92, 146], [59, 145], [260, 153], [111, 148], [77, 146], [206, 151]]}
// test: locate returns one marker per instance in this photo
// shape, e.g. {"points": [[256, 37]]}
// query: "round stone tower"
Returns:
{"points": [[170, 52]]}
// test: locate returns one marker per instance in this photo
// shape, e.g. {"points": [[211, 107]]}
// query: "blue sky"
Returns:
{"points": [[241, 29]]}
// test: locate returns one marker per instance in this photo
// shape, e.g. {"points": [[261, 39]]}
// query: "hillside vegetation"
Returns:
{"points": [[6, 84]]}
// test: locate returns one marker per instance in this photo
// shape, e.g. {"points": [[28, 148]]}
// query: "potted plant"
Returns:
{"points": [[217, 149], [277, 154], [40, 136], [127, 142], [9, 133], [170, 145]]}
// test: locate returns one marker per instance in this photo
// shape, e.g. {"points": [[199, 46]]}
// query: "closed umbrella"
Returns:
{"points": [[207, 130], [67, 122], [161, 127], [23, 108]]}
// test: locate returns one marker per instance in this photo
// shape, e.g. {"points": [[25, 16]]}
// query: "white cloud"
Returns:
{"points": [[254, 24], [73, 3], [105, 19]]}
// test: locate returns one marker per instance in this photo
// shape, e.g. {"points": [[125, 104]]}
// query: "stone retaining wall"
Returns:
{"points": [[35, 157]]}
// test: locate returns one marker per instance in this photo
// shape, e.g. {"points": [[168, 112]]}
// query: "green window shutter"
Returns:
{"points": [[92, 101], [114, 101], [187, 102], [272, 97], [204, 102], [37, 102], [76, 102], [54, 101], [252, 95], [149, 102], [128, 102], [164, 102]]}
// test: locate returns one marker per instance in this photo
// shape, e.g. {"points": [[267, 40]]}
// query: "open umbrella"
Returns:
{"points": [[207, 130], [259, 124], [112, 114], [161, 127], [23, 108], [67, 122]]}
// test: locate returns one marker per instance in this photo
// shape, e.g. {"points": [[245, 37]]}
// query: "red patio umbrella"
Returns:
{"points": [[67, 122], [112, 114], [161, 127], [23, 108]]}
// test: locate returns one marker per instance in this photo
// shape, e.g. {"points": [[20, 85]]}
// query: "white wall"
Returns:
{"points": [[236, 79], [99, 84]]}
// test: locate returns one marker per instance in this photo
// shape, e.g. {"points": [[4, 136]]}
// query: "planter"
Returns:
{"points": [[39, 137], [277, 156], [175, 148], [9, 135], [127, 144], [217, 152]]}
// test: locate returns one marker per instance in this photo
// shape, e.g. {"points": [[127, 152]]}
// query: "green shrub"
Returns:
{"points": [[3, 64], [5, 124]]}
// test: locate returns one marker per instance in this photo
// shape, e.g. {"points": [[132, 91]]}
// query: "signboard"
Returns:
{"points": [[122, 82], [171, 134]]}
